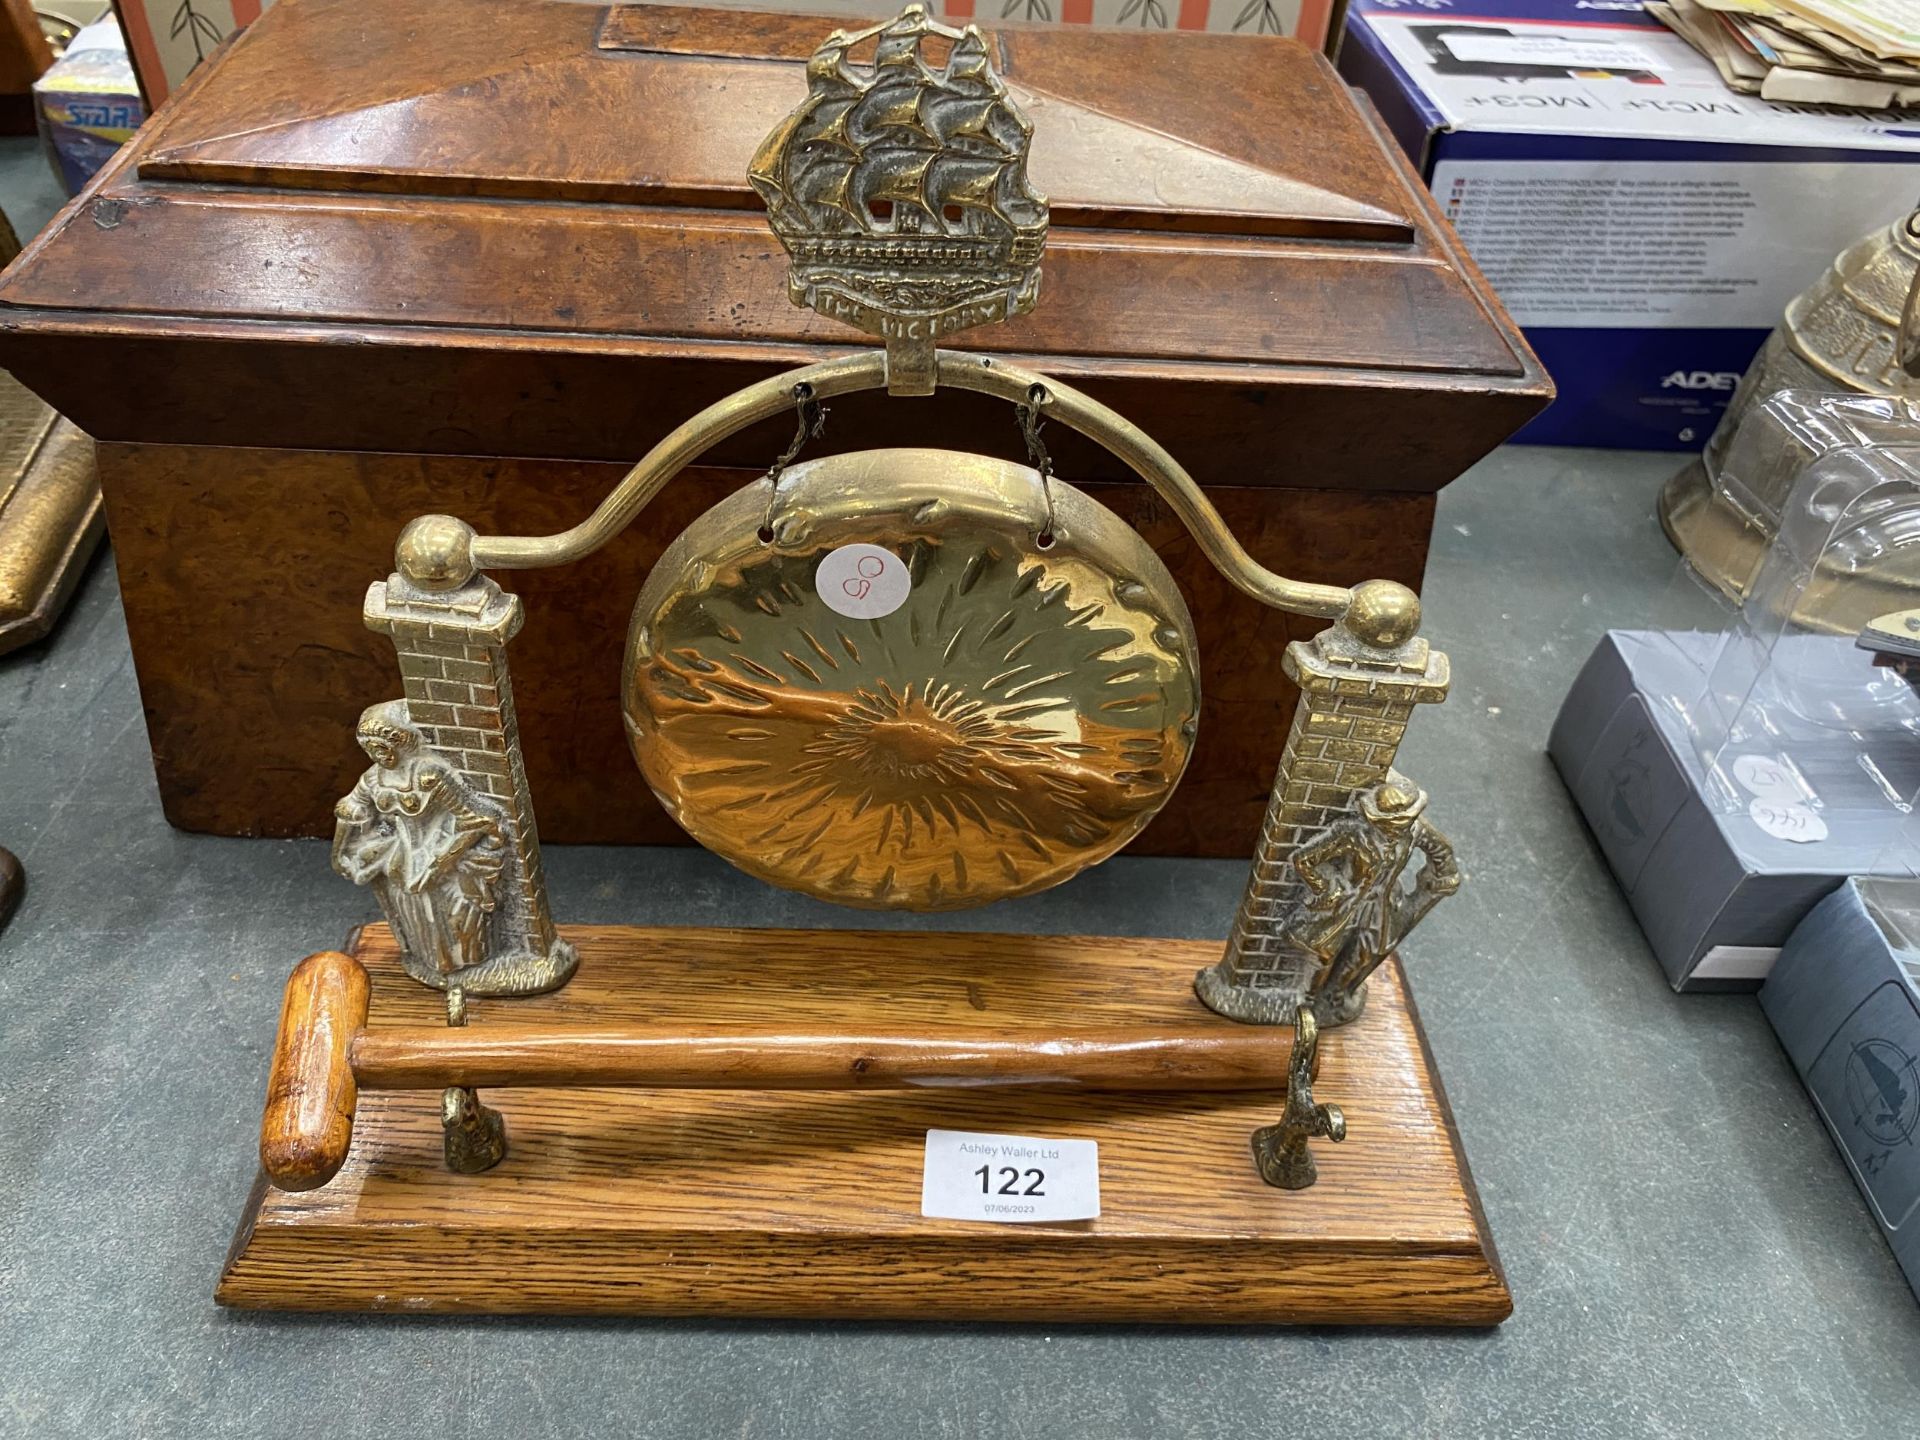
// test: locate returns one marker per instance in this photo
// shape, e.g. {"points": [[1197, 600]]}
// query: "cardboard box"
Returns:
{"points": [[88, 105], [1714, 892], [1845, 1001], [1644, 224]]}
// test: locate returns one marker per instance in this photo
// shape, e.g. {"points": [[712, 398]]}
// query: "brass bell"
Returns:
{"points": [[1857, 329]]}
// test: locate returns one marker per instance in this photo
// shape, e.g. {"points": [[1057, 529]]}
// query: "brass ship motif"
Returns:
{"points": [[900, 188]]}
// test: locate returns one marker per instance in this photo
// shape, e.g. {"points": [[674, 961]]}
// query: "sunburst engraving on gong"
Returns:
{"points": [[1021, 716]]}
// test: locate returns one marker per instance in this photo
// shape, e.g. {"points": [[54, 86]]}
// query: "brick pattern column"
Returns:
{"points": [[453, 662], [1355, 701]]}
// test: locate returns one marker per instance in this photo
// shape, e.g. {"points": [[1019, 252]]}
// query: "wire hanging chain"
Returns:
{"points": [[1031, 422], [810, 418]]}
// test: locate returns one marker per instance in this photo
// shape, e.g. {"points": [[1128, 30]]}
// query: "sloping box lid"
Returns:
{"points": [[523, 227]]}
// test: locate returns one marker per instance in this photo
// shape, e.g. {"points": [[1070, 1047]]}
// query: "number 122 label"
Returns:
{"points": [[1009, 1178]]}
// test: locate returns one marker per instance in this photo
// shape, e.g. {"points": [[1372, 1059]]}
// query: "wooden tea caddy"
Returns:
{"points": [[350, 275], [731, 1121]]}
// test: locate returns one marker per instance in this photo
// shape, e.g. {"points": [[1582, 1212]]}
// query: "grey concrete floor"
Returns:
{"points": [[1687, 1255]]}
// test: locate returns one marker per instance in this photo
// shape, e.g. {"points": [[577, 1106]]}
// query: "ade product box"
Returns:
{"points": [[1845, 1001], [1644, 224]]}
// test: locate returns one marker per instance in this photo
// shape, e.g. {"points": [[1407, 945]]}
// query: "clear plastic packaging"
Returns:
{"points": [[1894, 905], [1783, 716]]}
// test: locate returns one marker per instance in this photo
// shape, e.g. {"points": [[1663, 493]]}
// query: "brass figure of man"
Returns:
{"points": [[1362, 904]]}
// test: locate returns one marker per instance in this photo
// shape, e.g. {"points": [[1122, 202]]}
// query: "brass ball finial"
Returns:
{"points": [[1384, 614], [435, 552]]}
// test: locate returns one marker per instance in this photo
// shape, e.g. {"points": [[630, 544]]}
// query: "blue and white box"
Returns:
{"points": [[1644, 224], [1845, 1001]]}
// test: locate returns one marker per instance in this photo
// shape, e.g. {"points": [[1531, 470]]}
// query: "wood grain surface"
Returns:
{"points": [[729, 77], [780, 1204], [242, 573], [307, 1127], [338, 237], [776, 1057]]}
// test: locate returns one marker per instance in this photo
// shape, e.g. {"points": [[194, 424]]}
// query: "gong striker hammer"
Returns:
{"points": [[325, 1055]]}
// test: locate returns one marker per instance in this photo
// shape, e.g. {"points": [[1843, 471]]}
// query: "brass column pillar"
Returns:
{"points": [[452, 644], [1360, 680]]}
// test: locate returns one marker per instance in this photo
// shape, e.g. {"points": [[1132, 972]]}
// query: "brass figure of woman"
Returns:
{"points": [[431, 849]]}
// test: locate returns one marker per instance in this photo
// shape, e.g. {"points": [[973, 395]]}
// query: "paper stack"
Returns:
{"points": [[1863, 53]]}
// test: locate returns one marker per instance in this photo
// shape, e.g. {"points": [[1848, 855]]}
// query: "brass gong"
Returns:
{"points": [[911, 679]]}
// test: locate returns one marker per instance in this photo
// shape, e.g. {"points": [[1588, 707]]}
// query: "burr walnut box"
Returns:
{"points": [[476, 256]]}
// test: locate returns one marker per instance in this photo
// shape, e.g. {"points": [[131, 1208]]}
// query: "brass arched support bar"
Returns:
{"points": [[1147, 459], [772, 396], [962, 371]]}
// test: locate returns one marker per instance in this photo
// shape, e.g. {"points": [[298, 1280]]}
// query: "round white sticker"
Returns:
{"points": [[1797, 823], [1768, 778], [863, 582]]}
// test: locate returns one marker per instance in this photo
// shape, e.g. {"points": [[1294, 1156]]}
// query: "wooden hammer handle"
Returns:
{"points": [[324, 1056], [683, 1058], [308, 1125]]}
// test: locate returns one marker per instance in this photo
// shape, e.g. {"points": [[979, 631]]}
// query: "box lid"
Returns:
{"points": [[728, 79], [1595, 69], [471, 193]]}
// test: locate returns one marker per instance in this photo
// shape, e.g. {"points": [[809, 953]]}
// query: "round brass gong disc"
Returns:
{"points": [[1020, 715]]}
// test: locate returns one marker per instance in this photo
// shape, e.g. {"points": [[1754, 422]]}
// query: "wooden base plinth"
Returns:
{"points": [[808, 1204]]}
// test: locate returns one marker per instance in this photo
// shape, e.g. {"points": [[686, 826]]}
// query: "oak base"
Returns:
{"points": [[808, 1204]]}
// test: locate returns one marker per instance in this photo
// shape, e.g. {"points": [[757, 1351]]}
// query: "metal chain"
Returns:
{"points": [[1031, 422], [810, 418]]}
